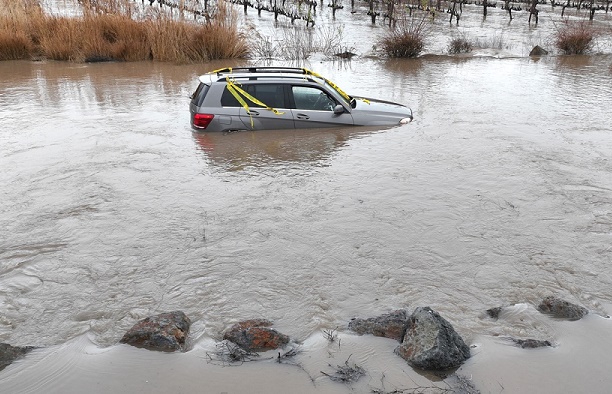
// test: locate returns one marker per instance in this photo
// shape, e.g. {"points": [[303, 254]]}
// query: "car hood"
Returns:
{"points": [[382, 107]]}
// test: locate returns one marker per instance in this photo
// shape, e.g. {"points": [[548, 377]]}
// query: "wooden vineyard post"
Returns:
{"points": [[533, 11]]}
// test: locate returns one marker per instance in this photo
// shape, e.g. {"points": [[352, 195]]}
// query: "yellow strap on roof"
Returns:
{"points": [[217, 71], [330, 83], [333, 85]]}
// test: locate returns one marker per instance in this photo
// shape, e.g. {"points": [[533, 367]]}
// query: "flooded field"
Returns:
{"points": [[498, 193]]}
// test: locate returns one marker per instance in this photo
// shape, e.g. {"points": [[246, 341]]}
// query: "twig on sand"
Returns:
{"points": [[287, 359], [294, 351], [459, 385], [346, 373], [331, 334], [228, 353]]}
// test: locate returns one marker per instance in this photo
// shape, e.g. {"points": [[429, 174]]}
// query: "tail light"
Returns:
{"points": [[201, 121]]}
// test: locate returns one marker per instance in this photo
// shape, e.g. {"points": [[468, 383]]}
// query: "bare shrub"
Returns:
{"points": [[330, 40], [263, 47], [298, 44], [494, 42], [407, 39], [574, 38], [101, 7], [459, 45]]}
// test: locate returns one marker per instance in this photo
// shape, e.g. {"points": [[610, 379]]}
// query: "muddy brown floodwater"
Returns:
{"points": [[111, 209]]}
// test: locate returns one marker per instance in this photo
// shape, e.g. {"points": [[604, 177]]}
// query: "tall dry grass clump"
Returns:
{"points": [[15, 42], [107, 30], [92, 38], [575, 38], [407, 39], [218, 38]]}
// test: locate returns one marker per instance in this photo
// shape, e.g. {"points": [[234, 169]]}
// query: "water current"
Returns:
{"points": [[111, 210]]}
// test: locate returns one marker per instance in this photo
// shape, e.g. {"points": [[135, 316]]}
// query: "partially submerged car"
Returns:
{"points": [[267, 98]]}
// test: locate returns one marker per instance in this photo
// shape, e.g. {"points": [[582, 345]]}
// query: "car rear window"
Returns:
{"points": [[269, 94], [198, 96]]}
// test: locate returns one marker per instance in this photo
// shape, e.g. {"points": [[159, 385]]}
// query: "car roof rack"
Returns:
{"points": [[256, 70]]}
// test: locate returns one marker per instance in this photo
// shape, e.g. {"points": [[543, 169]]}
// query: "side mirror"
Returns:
{"points": [[338, 109]]}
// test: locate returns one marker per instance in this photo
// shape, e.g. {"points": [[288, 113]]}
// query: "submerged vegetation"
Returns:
{"points": [[110, 30], [407, 39], [460, 45], [575, 38]]}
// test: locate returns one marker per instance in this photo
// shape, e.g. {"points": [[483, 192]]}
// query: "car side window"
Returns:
{"points": [[269, 94], [311, 98], [198, 96]]}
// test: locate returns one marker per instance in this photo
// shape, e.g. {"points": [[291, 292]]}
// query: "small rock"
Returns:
{"points": [[494, 312], [431, 343], [561, 309], [256, 336], [531, 343], [165, 332], [345, 55], [391, 325], [538, 51], [9, 353]]}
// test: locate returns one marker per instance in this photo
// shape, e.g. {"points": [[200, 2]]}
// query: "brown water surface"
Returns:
{"points": [[111, 209]]}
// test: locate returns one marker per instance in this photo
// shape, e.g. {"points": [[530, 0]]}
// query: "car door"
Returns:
{"points": [[259, 117], [314, 108]]}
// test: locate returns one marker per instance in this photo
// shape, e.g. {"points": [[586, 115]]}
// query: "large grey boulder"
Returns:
{"points": [[562, 309], [431, 343], [391, 325], [164, 332], [9, 353]]}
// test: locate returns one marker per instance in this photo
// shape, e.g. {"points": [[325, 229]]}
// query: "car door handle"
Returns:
{"points": [[252, 113], [302, 116]]}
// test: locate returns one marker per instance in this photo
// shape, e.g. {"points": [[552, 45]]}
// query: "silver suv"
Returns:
{"points": [[258, 98]]}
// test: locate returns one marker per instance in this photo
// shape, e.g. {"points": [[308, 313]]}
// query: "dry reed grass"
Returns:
{"points": [[107, 30]]}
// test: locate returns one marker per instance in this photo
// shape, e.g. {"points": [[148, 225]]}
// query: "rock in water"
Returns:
{"points": [[256, 336], [538, 51], [9, 353], [494, 312], [391, 325], [531, 343], [561, 309], [165, 332], [431, 343]]}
